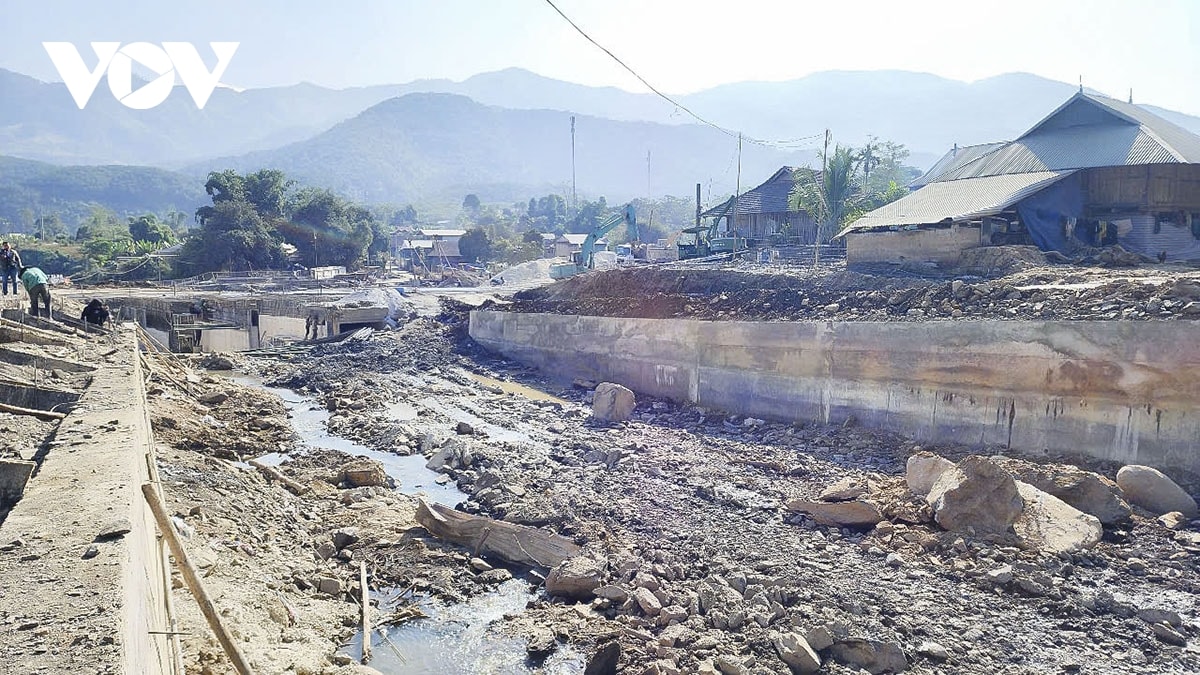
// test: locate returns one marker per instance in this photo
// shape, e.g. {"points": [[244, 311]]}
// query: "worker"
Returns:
{"points": [[10, 263], [95, 314], [310, 325], [37, 286]]}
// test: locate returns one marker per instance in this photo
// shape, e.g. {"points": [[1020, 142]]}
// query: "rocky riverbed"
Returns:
{"points": [[708, 543]]}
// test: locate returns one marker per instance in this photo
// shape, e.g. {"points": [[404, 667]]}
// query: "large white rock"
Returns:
{"points": [[1087, 491], [856, 513], [577, 577], [795, 651], [1150, 489], [1050, 525], [976, 493], [612, 402], [923, 469]]}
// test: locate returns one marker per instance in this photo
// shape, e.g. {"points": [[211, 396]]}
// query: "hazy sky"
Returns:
{"points": [[680, 46]]}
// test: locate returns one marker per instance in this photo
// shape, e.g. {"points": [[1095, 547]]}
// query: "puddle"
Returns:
{"points": [[402, 411], [308, 421], [515, 388], [457, 639]]}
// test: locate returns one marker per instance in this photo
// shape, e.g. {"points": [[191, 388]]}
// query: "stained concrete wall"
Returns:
{"points": [[1126, 391]]}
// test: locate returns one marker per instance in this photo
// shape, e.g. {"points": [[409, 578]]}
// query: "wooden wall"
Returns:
{"points": [[1152, 187]]}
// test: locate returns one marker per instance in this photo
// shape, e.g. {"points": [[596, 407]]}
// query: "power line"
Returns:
{"points": [[672, 101]]}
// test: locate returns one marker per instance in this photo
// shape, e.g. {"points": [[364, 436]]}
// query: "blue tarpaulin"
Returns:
{"points": [[1045, 213]]}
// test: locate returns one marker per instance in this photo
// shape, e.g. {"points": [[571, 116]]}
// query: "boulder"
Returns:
{"points": [[647, 601], [604, 660], [344, 536], [922, 471], [1150, 489], [844, 490], [1087, 491], [795, 651], [365, 473], [612, 402], [870, 655], [576, 577], [1050, 525], [976, 493], [856, 513]]}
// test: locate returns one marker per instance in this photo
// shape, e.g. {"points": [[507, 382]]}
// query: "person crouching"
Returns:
{"points": [[95, 313], [37, 286]]}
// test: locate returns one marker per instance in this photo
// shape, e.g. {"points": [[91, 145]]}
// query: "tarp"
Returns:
{"points": [[1046, 212]]}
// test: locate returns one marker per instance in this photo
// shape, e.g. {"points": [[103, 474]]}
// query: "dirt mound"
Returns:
{"points": [[1026, 291]]}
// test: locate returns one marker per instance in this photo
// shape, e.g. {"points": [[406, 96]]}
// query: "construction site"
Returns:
{"points": [[729, 467]]}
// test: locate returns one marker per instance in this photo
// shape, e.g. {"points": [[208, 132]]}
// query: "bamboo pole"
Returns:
{"points": [[273, 473], [193, 581], [365, 594]]}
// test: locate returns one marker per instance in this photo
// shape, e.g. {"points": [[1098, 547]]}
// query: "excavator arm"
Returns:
{"points": [[589, 245]]}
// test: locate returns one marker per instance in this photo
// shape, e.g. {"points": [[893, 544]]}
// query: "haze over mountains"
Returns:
{"points": [[512, 138]]}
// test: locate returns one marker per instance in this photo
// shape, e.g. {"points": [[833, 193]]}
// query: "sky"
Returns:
{"points": [[679, 46]]}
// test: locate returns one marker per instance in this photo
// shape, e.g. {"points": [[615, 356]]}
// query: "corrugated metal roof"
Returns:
{"points": [[1085, 132], [953, 159], [957, 200], [772, 196], [443, 233], [1070, 148]]}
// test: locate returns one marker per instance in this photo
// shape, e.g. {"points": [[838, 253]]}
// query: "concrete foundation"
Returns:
{"points": [[1124, 391]]}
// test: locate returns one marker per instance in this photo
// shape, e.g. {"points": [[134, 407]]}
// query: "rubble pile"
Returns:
{"points": [[748, 293]]}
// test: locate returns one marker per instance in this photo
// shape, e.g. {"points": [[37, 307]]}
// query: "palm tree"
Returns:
{"points": [[833, 195]]}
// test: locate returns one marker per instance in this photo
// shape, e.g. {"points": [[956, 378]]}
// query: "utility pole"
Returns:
{"points": [[697, 205], [736, 193], [574, 200]]}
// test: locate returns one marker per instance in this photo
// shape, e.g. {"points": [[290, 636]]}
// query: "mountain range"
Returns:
{"points": [[506, 134]]}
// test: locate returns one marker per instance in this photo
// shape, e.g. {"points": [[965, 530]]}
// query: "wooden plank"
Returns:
{"points": [[510, 542]]}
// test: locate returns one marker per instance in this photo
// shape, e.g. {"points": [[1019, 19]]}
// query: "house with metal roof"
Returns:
{"points": [[764, 211], [1096, 171], [567, 245]]}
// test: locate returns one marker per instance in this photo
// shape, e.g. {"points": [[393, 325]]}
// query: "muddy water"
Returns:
{"points": [[309, 422], [461, 639], [454, 639], [509, 387]]}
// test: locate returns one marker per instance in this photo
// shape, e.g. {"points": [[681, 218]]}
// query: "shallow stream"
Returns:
{"points": [[454, 639]]}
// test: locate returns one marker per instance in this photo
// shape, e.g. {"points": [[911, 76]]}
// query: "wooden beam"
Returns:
{"points": [[485, 536]]}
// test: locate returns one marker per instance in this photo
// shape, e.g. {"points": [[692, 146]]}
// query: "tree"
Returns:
{"points": [[326, 229], [149, 229], [850, 183], [475, 246], [471, 203], [232, 236], [830, 195], [268, 191]]}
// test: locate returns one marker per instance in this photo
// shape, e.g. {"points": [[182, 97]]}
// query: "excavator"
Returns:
{"points": [[702, 241], [584, 259]]}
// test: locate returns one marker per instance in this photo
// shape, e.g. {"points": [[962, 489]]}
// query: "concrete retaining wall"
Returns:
{"points": [[1126, 391], [112, 607]]}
